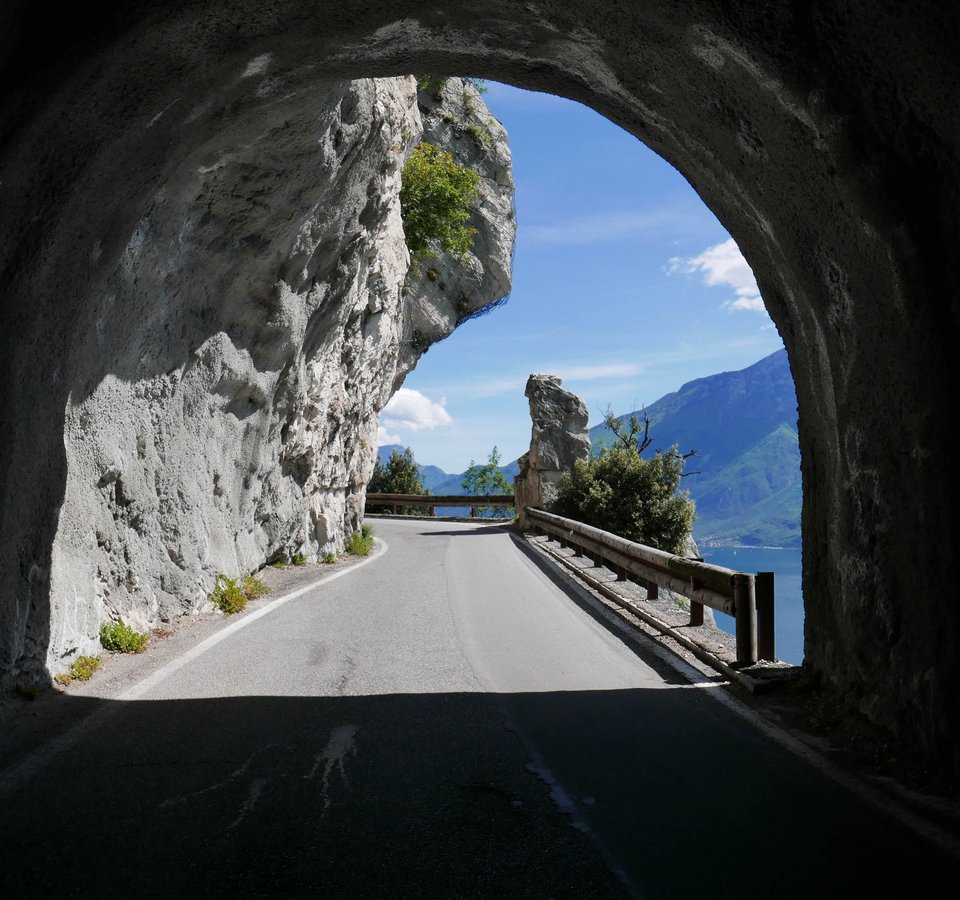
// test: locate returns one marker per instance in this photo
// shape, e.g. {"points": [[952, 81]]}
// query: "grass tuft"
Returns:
{"points": [[228, 596], [360, 543], [121, 638], [81, 669], [298, 559], [254, 587]]}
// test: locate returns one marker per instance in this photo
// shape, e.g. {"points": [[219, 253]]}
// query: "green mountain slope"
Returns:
{"points": [[744, 425]]}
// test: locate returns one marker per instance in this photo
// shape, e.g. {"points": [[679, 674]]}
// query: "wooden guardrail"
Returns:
{"points": [[396, 501], [747, 597]]}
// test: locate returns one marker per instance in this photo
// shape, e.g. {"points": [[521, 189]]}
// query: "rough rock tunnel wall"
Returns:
{"points": [[825, 136]]}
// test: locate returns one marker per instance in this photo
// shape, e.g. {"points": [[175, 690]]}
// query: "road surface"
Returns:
{"points": [[445, 721]]}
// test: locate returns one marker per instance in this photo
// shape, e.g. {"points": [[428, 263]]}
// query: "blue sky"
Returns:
{"points": [[624, 284]]}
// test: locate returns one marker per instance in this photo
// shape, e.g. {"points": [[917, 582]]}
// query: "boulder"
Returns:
{"points": [[558, 439]]}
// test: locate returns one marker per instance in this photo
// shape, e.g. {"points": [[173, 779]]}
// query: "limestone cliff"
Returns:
{"points": [[259, 315]]}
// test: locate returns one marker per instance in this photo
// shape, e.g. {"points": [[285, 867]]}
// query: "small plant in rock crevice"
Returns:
{"points": [[330, 557], [360, 543], [482, 137], [298, 559], [81, 669], [231, 595], [121, 638], [228, 595], [254, 586]]}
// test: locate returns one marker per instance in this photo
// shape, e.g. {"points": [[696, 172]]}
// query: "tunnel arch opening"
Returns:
{"points": [[626, 286]]}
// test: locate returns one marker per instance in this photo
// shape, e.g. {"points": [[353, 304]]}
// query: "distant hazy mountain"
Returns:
{"points": [[745, 426]]}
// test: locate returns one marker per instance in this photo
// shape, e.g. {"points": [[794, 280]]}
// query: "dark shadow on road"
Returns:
{"points": [[440, 795], [481, 531]]}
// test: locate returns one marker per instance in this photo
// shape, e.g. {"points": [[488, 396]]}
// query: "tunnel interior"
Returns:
{"points": [[825, 141]]}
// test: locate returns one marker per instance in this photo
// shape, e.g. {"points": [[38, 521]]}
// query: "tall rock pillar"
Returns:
{"points": [[558, 438]]}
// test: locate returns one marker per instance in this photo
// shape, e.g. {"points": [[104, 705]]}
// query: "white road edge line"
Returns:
{"points": [[28, 767], [151, 681]]}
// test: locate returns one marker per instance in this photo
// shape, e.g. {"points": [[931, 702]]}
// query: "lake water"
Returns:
{"points": [[785, 564]]}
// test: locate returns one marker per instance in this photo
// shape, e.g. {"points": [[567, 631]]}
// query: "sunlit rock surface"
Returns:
{"points": [[558, 438], [240, 341]]}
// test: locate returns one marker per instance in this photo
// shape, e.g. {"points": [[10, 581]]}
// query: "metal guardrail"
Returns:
{"points": [[747, 597], [396, 501]]}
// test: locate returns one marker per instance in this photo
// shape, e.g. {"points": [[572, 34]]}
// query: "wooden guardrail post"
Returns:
{"points": [[696, 609], [745, 602], [766, 619]]}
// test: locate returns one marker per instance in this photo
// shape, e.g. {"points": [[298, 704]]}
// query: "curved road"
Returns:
{"points": [[446, 721]]}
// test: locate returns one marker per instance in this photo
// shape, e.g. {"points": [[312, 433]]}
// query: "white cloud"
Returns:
{"points": [[724, 265], [410, 410], [384, 437]]}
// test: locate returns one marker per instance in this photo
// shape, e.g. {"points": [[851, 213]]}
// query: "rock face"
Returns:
{"points": [[240, 344], [823, 136], [557, 440], [450, 290]]}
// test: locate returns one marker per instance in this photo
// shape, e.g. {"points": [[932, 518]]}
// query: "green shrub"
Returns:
{"points": [[298, 559], [81, 669], [639, 499], [400, 474], [360, 543], [435, 199], [482, 137], [228, 596], [231, 596], [330, 557], [121, 638], [278, 564], [488, 479], [432, 83], [254, 587], [27, 691]]}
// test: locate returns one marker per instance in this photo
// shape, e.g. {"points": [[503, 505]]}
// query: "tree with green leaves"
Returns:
{"points": [[621, 492], [488, 479], [400, 474], [435, 198]]}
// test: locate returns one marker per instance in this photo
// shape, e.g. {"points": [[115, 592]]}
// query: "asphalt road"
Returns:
{"points": [[446, 721]]}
